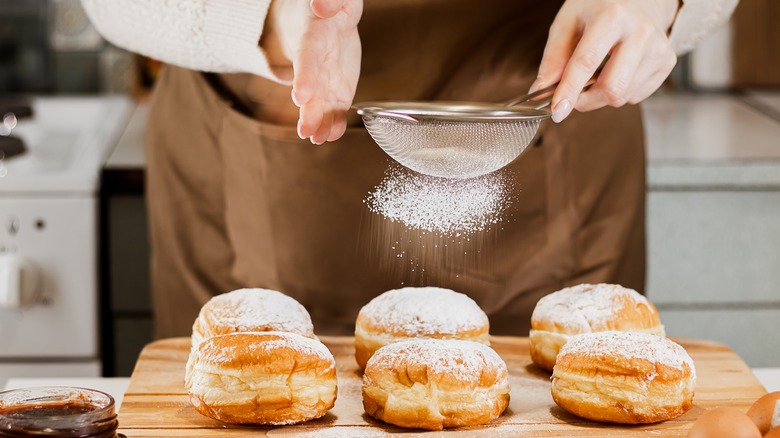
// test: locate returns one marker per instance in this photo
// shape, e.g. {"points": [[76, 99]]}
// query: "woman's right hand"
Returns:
{"points": [[320, 39], [632, 32]]}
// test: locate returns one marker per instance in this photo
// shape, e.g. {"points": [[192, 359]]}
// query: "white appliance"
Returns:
{"points": [[49, 237]]}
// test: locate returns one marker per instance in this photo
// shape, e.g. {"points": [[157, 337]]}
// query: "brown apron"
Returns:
{"points": [[237, 200]]}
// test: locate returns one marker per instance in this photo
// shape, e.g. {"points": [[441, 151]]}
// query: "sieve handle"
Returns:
{"points": [[545, 95]]}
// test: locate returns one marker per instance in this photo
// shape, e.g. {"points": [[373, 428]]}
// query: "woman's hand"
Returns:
{"points": [[321, 40], [632, 32]]}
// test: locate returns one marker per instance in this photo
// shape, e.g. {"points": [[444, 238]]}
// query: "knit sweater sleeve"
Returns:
{"points": [[206, 35], [696, 19]]}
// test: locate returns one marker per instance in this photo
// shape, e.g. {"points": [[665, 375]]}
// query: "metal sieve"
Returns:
{"points": [[456, 139]]}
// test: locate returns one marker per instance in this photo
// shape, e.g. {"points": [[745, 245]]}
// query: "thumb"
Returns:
{"points": [[326, 8]]}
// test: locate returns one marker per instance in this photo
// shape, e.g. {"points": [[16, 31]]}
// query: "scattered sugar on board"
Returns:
{"points": [[630, 345], [245, 309], [443, 205], [342, 432], [425, 311], [584, 306], [267, 342], [462, 360]]}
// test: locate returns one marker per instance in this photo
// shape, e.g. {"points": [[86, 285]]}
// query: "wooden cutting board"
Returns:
{"points": [[156, 403]]}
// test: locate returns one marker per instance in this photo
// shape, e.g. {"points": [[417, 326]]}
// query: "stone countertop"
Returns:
{"points": [[712, 142], [129, 153]]}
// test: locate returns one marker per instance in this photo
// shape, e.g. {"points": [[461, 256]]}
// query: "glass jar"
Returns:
{"points": [[57, 411]]}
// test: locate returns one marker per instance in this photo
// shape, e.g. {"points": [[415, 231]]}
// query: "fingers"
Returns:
{"points": [[326, 8], [584, 33], [326, 68], [305, 85], [321, 117], [326, 126], [643, 89], [638, 66], [596, 43], [339, 126], [560, 45], [310, 118], [614, 81], [323, 131]]}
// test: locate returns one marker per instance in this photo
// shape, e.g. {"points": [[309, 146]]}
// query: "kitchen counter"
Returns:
{"points": [[712, 141], [769, 377], [713, 218]]}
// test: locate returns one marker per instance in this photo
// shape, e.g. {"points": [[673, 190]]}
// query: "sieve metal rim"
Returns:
{"points": [[450, 111]]}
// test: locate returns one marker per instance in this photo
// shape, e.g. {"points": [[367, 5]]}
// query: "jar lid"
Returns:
{"points": [[60, 411]]}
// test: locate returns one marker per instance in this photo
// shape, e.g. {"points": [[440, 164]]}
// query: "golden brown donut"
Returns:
{"points": [[623, 377], [261, 378], [587, 308], [417, 312], [251, 310], [435, 384]]}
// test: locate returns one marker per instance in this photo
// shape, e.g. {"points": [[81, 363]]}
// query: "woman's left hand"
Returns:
{"points": [[634, 35]]}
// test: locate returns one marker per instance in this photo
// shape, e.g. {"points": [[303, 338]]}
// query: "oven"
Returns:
{"points": [[48, 236]]}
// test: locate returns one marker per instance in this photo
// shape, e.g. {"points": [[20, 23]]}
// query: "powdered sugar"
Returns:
{"points": [[224, 349], [461, 360], [581, 308], [340, 432], [631, 345], [258, 310], [446, 206], [424, 311]]}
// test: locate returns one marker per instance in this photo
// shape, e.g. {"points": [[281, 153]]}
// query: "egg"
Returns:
{"points": [[762, 410], [724, 423]]}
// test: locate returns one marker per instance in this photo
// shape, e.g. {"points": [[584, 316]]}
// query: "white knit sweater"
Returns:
{"points": [[223, 35]]}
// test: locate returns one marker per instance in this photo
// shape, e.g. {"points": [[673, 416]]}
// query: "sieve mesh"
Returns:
{"points": [[452, 149]]}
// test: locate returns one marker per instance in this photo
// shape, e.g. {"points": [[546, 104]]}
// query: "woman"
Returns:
{"points": [[238, 195]]}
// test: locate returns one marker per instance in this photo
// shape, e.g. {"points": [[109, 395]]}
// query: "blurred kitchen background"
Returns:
{"points": [[74, 285]]}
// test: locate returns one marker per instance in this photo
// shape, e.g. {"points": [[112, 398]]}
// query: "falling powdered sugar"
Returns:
{"points": [[443, 205]]}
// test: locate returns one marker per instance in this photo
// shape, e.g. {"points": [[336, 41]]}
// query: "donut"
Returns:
{"points": [[417, 312], [271, 378], [251, 310], [435, 384], [623, 377], [587, 308]]}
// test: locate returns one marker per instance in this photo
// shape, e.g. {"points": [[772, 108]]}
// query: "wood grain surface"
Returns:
{"points": [[156, 403]]}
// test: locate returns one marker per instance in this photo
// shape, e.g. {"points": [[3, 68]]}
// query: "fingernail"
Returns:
{"points": [[301, 136], [561, 111], [311, 139], [292, 96]]}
